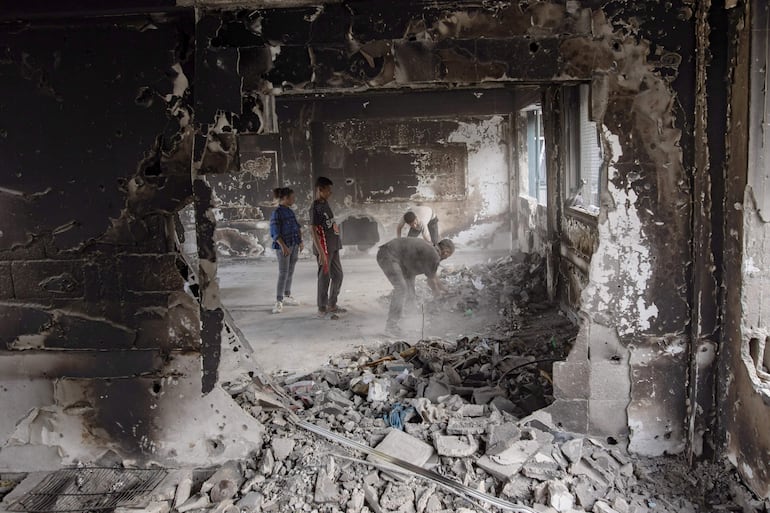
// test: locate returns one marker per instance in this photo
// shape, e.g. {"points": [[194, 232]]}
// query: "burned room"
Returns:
{"points": [[372, 256]]}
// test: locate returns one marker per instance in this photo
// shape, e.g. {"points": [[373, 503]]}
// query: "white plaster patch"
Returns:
{"points": [[620, 268], [487, 163]]}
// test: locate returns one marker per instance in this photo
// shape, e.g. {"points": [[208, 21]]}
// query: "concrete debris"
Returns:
{"points": [[476, 423], [456, 446]]}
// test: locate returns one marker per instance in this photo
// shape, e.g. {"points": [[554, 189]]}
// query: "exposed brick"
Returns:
{"points": [[44, 279], [6, 283], [150, 273], [571, 380]]}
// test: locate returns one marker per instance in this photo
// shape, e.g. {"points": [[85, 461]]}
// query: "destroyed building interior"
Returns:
{"points": [[594, 343]]}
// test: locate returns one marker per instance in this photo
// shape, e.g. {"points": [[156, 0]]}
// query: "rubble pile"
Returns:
{"points": [[509, 286]]}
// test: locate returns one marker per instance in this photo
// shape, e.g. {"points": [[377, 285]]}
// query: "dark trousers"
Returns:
{"points": [[329, 284], [403, 284], [433, 230]]}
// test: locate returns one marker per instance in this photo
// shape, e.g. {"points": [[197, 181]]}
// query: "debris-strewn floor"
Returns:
{"points": [[468, 409]]}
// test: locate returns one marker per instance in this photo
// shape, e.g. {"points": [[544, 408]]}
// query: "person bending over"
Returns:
{"points": [[402, 260], [422, 222]]}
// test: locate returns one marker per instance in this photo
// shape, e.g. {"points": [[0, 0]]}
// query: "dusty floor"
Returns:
{"points": [[298, 341]]}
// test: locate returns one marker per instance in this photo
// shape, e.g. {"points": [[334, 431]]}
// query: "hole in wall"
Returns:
{"points": [[534, 46]]}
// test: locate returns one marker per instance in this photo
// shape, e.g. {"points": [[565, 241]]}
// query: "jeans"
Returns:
{"points": [[329, 284], [286, 266], [403, 285]]}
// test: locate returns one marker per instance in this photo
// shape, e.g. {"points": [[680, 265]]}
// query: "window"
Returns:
{"points": [[536, 154], [584, 153]]}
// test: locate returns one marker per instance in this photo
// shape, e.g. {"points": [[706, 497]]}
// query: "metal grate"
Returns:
{"points": [[90, 489]]}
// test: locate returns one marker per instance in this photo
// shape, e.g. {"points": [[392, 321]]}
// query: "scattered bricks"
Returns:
{"points": [[397, 497], [559, 497], [46, 279], [502, 437], [573, 449], [466, 426], [456, 446], [603, 507], [472, 410], [404, 447]]}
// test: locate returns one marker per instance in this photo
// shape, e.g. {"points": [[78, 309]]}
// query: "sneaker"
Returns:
{"points": [[278, 308], [290, 301], [337, 310]]}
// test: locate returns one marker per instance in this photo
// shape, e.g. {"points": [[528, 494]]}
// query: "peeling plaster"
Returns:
{"points": [[623, 265]]}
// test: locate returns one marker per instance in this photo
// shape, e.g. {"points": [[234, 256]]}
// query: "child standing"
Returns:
{"points": [[326, 246], [287, 243]]}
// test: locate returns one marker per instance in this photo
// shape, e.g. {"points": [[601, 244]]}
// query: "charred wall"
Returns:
{"points": [[635, 306], [96, 147], [744, 381]]}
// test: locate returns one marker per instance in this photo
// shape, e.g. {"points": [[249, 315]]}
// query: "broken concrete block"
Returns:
{"points": [[620, 505], [542, 467], [424, 497], [518, 453], [586, 493], [434, 505], [326, 490], [404, 447], [337, 397], [183, 491], [282, 447], [466, 426], [503, 404], [356, 502], [397, 497], [434, 390], [559, 496], [228, 477], [372, 499], [379, 389], [501, 472], [456, 446], [573, 449], [223, 491], [603, 507], [267, 464], [518, 488], [483, 395], [250, 502], [472, 410], [196, 502], [502, 437]]}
